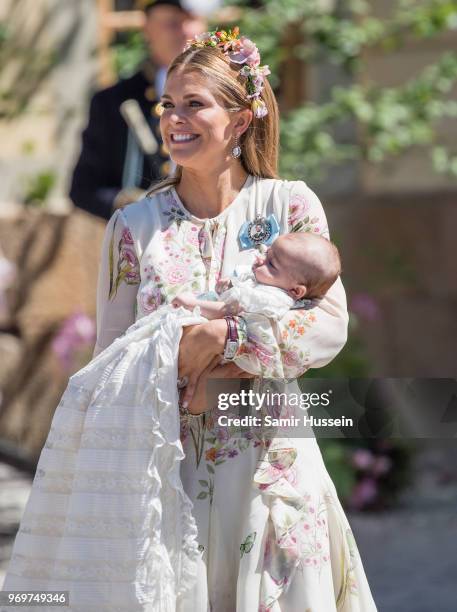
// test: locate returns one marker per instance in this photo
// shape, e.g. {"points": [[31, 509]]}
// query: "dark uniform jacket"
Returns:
{"points": [[111, 158]]}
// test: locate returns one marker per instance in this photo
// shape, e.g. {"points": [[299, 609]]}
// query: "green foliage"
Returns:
{"points": [[39, 187], [128, 54], [390, 120], [28, 60], [3, 34], [336, 459]]}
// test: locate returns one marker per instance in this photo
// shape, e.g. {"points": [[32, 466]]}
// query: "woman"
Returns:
{"points": [[186, 236], [272, 535]]}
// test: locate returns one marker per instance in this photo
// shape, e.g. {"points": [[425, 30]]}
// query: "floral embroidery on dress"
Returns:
{"points": [[294, 357], [348, 565], [128, 266], [150, 297], [248, 543], [174, 211], [298, 220], [222, 443]]}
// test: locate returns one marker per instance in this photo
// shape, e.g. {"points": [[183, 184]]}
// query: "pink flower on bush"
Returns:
{"points": [[362, 459], [75, 334], [381, 465], [365, 306], [364, 493]]}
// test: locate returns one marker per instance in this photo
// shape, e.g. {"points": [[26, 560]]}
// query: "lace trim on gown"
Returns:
{"points": [[108, 518]]}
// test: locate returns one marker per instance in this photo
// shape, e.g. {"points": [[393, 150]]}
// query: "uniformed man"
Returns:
{"points": [[122, 151]]}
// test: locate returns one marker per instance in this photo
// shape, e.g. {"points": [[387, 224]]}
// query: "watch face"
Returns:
{"points": [[231, 348]]}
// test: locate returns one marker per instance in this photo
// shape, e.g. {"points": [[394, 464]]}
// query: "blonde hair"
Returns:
{"points": [[260, 142]]}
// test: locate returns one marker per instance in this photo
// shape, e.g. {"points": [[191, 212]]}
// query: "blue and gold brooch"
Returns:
{"points": [[260, 231]]}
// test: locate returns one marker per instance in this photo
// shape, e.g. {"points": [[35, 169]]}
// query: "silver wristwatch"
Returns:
{"points": [[233, 342]]}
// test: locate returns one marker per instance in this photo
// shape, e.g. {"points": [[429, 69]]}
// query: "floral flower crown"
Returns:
{"points": [[239, 51]]}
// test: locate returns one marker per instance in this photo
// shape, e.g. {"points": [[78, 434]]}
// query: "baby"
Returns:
{"points": [[296, 266]]}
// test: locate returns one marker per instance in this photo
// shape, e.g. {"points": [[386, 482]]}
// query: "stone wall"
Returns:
{"points": [[57, 259]]}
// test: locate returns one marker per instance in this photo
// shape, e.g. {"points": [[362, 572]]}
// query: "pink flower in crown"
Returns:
{"points": [[247, 53], [259, 107], [201, 40], [127, 236], [205, 36], [298, 206]]}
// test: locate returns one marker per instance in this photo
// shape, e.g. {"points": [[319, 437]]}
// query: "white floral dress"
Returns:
{"points": [[272, 534]]}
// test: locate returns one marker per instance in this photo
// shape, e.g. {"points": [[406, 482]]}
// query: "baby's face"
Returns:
{"points": [[274, 267]]}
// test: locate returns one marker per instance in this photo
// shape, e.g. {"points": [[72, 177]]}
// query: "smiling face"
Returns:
{"points": [[195, 126]]}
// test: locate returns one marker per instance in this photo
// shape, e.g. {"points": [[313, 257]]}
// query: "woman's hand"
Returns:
{"points": [[199, 345], [198, 402]]}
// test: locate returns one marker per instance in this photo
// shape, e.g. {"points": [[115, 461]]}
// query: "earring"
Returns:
{"points": [[236, 151]]}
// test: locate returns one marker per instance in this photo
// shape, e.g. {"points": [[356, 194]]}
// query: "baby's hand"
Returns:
{"points": [[184, 299], [223, 284]]}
